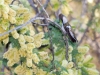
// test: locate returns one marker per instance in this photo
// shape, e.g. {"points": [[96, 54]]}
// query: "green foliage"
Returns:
{"points": [[14, 42], [84, 71], [4, 61]]}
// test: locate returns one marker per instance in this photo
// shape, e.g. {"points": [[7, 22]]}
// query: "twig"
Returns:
{"points": [[13, 2], [32, 4], [40, 24], [46, 4], [18, 27], [43, 8], [84, 7], [31, 20]]}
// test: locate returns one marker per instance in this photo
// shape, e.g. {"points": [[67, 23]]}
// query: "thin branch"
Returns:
{"points": [[13, 2], [43, 8], [18, 27], [40, 24], [32, 4], [46, 4]]}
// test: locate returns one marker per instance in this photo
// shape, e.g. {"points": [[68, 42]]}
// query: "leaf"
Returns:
{"points": [[57, 38], [84, 71], [4, 62], [58, 65], [14, 42], [89, 65], [15, 65], [28, 32], [45, 68]]}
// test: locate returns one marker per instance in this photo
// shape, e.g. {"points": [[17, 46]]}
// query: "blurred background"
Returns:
{"points": [[84, 17]]}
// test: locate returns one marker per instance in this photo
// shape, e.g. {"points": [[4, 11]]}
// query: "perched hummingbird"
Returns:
{"points": [[67, 28]]}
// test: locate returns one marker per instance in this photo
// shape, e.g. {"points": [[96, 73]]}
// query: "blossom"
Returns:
{"points": [[70, 57], [92, 71], [24, 30], [29, 38], [26, 16], [12, 55], [5, 24], [22, 53], [11, 62], [64, 63], [83, 49], [39, 36], [6, 40], [70, 65], [23, 47], [1, 2], [41, 72], [70, 49], [12, 12], [5, 15], [19, 20], [22, 10], [5, 8], [12, 19], [21, 39], [14, 33], [38, 43], [29, 62], [30, 46], [28, 72], [35, 58], [30, 55], [8, 1], [64, 73], [87, 59], [43, 55], [20, 70]]}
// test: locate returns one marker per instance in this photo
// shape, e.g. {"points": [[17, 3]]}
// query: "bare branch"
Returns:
{"points": [[43, 8], [32, 4]]}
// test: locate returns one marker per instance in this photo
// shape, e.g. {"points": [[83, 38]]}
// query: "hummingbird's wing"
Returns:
{"points": [[70, 34]]}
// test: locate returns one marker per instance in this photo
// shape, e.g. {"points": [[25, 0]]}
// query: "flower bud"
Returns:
{"points": [[70, 65], [29, 62], [92, 71], [64, 63], [83, 49], [87, 59]]}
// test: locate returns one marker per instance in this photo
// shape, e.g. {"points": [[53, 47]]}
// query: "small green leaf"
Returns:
{"points": [[14, 42], [4, 62], [28, 32], [84, 71]]}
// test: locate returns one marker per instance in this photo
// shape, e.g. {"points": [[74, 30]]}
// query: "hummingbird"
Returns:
{"points": [[67, 28]]}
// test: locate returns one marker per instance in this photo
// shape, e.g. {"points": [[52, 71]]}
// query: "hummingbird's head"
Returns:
{"points": [[63, 18]]}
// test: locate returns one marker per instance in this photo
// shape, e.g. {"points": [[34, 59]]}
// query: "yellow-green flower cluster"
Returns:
{"points": [[12, 55], [27, 44], [12, 14], [83, 62], [23, 70]]}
